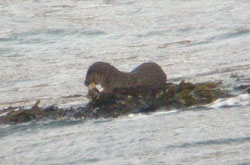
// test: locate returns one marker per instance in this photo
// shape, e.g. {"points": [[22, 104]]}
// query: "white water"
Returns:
{"points": [[47, 46]]}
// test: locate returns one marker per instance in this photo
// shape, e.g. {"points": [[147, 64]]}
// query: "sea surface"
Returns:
{"points": [[46, 47]]}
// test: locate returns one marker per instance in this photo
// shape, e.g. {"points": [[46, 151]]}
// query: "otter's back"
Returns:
{"points": [[149, 74]]}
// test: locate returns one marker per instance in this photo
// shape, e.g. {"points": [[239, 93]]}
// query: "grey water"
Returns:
{"points": [[47, 46]]}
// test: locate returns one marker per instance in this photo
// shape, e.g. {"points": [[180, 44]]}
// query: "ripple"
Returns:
{"points": [[153, 33], [221, 37], [211, 142], [39, 36]]}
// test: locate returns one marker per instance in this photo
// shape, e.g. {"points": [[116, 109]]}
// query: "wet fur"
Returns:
{"points": [[145, 75]]}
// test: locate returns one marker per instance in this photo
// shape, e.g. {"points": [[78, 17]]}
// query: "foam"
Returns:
{"points": [[240, 100]]}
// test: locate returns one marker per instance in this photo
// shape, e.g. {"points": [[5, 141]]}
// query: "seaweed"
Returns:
{"points": [[123, 102]]}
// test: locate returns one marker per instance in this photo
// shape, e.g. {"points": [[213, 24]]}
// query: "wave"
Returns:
{"points": [[240, 100], [211, 142]]}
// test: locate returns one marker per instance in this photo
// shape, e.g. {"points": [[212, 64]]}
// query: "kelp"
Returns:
{"points": [[123, 102]]}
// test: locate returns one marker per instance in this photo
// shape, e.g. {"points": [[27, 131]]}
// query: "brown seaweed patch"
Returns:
{"points": [[124, 101]]}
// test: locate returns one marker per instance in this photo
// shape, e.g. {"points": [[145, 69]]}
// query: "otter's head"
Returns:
{"points": [[98, 74]]}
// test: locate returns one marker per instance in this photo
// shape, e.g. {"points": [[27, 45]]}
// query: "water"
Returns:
{"points": [[47, 46], [188, 137]]}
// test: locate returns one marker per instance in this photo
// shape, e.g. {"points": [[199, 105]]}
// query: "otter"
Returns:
{"points": [[146, 75]]}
